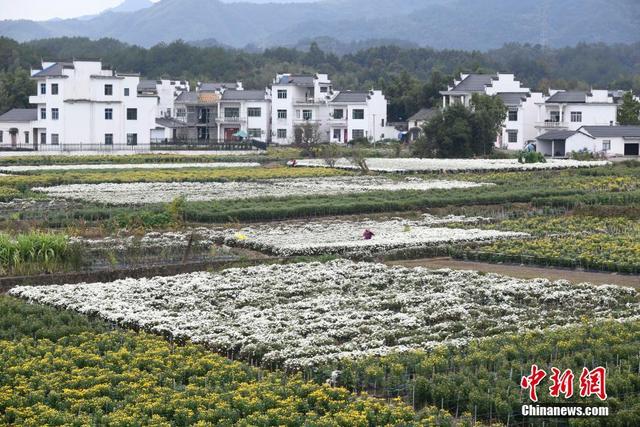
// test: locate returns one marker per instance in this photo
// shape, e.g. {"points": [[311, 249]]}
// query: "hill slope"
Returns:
{"points": [[463, 24]]}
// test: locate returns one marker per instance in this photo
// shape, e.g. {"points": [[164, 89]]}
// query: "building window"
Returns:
{"points": [[126, 91], [181, 112], [108, 113], [232, 112], [55, 114], [513, 115], [132, 114], [43, 138], [576, 116], [282, 133], [26, 137], [357, 134], [282, 114], [554, 117], [324, 89], [43, 114], [338, 114], [108, 90], [358, 114], [254, 112], [168, 112], [55, 139], [108, 139], [337, 134], [43, 88], [132, 139], [1, 136], [307, 114], [255, 133], [512, 136], [606, 145], [282, 94], [54, 88]]}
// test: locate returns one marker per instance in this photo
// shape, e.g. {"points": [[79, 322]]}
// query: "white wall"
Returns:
{"points": [[20, 138]]}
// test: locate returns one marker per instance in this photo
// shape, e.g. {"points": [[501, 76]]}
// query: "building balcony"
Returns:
{"points": [[304, 121], [37, 99], [548, 124], [338, 122], [309, 101], [232, 120]]}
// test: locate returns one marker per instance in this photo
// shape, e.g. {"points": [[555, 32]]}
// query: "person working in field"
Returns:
{"points": [[368, 234]]}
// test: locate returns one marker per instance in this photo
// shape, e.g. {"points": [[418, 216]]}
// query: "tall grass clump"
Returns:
{"points": [[36, 252]]}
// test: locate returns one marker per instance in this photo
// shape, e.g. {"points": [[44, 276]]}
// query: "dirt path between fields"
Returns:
{"points": [[526, 272]]}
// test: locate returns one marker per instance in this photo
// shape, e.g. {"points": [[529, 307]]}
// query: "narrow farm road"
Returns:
{"points": [[526, 272]]}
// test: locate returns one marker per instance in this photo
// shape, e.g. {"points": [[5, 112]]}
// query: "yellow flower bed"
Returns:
{"points": [[45, 179], [138, 379]]}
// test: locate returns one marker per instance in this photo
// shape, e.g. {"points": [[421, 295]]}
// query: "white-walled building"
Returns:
{"points": [[16, 128], [522, 104], [82, 105], [247, 111], [571, 110], [340, 116], [612, 141]]}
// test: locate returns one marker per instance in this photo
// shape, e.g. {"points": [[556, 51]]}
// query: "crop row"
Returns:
{"points": [[84, 375]]}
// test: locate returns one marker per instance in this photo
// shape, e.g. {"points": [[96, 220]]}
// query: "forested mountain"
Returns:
{"points": [[459, 24], [410, 77]]}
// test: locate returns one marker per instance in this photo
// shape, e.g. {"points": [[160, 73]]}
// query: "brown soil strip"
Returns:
{"points": [[526, 272]]}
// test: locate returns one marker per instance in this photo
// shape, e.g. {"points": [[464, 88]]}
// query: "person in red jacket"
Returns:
{"points": [[368, 234]]}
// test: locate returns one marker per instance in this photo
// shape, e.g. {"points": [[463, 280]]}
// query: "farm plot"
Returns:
{"points": [[300, 315], [112, 166], [163, 192], [346, 237], [452, 165]]}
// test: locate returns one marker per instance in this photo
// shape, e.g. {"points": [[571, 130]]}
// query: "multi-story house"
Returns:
{"points": [[519, 126], [196, 114], [572, 110], [167, 91], [246, 113], [299, 100], [83, 105]]}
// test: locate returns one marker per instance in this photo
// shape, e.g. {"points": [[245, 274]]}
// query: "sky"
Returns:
{"points": [[42, 10]]}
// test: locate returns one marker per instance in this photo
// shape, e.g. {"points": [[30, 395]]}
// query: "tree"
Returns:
{"points": [[629, 111], [15, 89], [461, 132], [489, 114], [307, 137]]}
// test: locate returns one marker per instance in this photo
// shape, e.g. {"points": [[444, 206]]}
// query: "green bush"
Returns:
{"points": [[531, 157]]}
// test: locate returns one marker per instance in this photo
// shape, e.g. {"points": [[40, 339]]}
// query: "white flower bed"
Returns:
{"points": [[453, 165], [346, 237], [109, 166], [163, 192], [301, 315]]}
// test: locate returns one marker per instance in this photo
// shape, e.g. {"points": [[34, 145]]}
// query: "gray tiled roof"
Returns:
{"points": [[214, 87], [20, 115], [54, 70], [424, 114], [568, 97], [474, 83], [511, 99], [613, 131], [170, 123], [351, 97], [243, 95], [187, 98], [147, 85], [556, 135], [297, 80]]}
